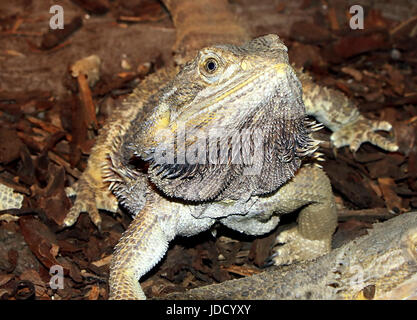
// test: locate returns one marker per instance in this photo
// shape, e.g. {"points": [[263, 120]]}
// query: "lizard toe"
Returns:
{"points": [[363, 130], [89, 198], [296, 248]]}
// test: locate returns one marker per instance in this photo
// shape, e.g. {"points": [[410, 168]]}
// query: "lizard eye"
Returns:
{"points": [[211, 65]]}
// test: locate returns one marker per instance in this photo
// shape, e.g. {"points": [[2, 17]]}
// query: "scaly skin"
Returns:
{"points": [[9, 199], [199, 27], [146, 240], [329, 106], [250, 205], [339, 114], [379, 265]]}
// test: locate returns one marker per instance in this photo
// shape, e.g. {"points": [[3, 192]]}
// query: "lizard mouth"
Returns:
{"points": [[241, 96]]}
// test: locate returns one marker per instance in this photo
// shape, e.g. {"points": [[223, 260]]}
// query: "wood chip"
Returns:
{"points": [[241, 270], [102, 262], [334, 24], [55, 36], [356, 74], [393, 201], [94, 293], [365, 214]]}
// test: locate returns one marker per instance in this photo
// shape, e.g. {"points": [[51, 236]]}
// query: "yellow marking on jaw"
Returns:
{"points": [[163, 122], [244, 66], [280, 68], [204, 120]]}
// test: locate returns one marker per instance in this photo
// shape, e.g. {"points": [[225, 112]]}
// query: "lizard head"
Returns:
{"points": [[230, 124]]}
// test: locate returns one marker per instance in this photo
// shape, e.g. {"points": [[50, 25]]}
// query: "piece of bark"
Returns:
{"points": [[306, 56], [16, 186], [34, 277], [58, 160], [53, 199], [40, 240], [374, 214], [306, 32], [384, 168], [241, 270], [10, 145], [401, 35], [385, 259], [55, 36], [352, 45], [393, 201], [351, 185], [23, 96], [140, 10], [261, 249], [87, 72], [78, 131], [94, 6]]}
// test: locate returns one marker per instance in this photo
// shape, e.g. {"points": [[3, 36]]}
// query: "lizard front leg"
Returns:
{"points": [[146, 240], [311, 193], [140, 248], [339, 114]]}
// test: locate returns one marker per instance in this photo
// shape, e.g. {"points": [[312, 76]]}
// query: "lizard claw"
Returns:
{"points": [[296, 248], [89, 199], [363, 130]]}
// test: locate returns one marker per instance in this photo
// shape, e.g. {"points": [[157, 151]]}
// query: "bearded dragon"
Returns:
{"points": [[220, 138]]}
